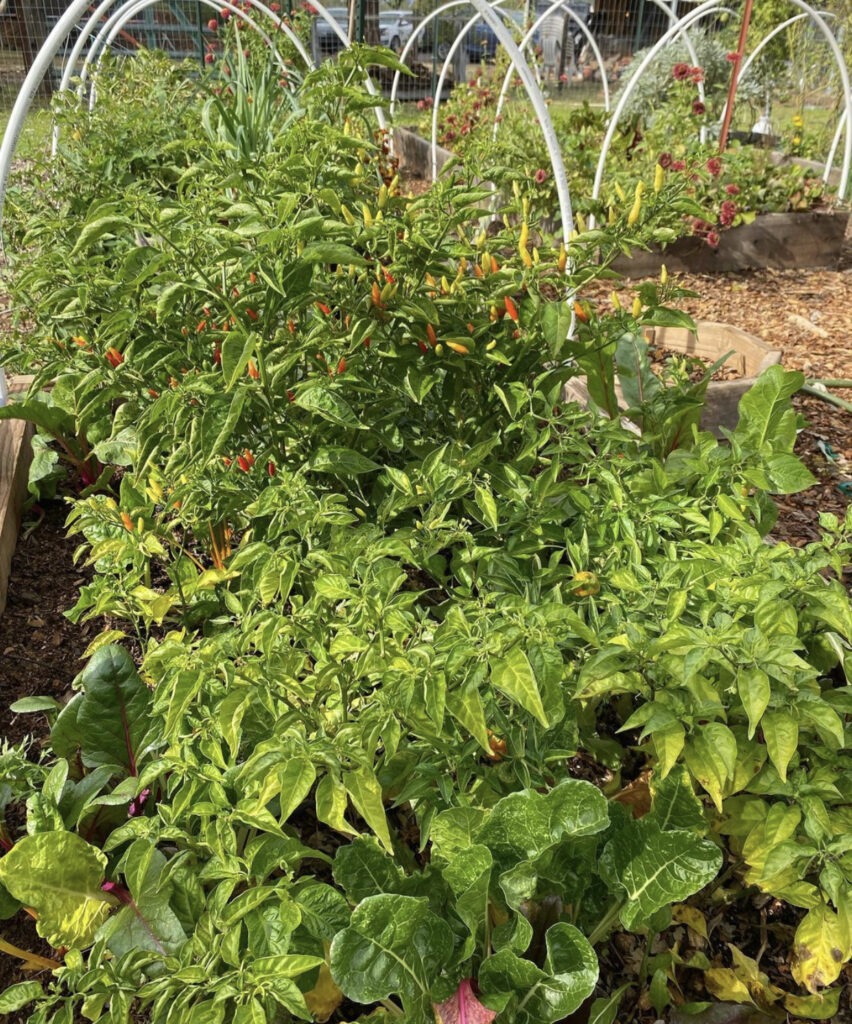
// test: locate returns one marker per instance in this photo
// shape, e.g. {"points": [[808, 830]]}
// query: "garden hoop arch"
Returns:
{"points": [[694, 16]]}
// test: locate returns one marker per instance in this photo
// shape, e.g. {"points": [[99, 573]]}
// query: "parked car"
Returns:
{"points": [[327, 40], [395, 28]]}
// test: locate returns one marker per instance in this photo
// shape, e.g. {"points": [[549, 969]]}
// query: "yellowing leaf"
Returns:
{"points": [[324, 997], [820, 948], [781, 732], [821, 1006], [724, 984], [515, 677], [691, 917], [463, 1008], [668, 744], [366, 794]]}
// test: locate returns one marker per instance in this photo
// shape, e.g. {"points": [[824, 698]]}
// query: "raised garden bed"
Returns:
{"points": [[749, 358], [775, 241], [15, 457]]}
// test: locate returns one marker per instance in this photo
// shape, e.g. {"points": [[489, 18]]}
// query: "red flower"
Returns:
{"points": [[540, 176], [698, 108], [678, 165], [665, 160], [714, 166], [732, 190], [696, 75], [732, 57], [713, 239], [213, 25], [681, 71], [727, 213], [209, 58]]}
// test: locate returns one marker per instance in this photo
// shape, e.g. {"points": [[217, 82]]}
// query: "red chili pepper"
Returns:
{"points": [[431, 335], [250, 313], [291, 395], [202, 326], [252, 277], [114, 357], [226, 460], [243, 463], [321, 306], [341, 366], [376, 295], [291, 326], [388, 276], [270, 468], [153, 393], [235, 292], [511, 308], [367, 341], [217, 355], [247, 455], [422, 346]]}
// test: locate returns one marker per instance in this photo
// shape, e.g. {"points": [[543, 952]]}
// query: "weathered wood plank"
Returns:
{"points": [[15, 457], [777, 241]]}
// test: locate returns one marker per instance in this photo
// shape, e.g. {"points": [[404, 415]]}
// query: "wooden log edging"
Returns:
{"points": [[15, 457]]}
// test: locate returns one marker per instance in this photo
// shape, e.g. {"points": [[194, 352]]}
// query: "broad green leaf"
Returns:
{"points": [[788, 474], [341, 462], [766, 416], [321, 400], [237, 349], [544, 995], [296, 779], [820, 948], [675, 805], [781, 734], [15, 997], [362, 869], [331, 804], [655, 869], [514, 676], [454, 830], [469, 876], [465, 705], [59, 875], [394, 945], [523, 825], [113, 717], [711, 756], [603, 1010], [366, 794], [487, 506], [754, 690], [668, 745], [29, 705], [99, 228], [149, 922], [332, 252], [638, 382]]}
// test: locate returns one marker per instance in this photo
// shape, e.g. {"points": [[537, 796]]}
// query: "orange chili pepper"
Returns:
{"points": [[252, 370], [511, 308]]}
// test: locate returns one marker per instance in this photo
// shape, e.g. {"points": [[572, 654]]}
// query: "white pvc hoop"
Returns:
{"points": [[442, 77], [708, 7], [557, 4], [115, 24], [844, 116]]}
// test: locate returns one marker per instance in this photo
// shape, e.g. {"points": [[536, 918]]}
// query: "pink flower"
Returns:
{"points": [[665, 160], [224, 14], [681, 71], [732, 57], [727, 213], [209, 58], [713, 239], [714, 166], [678, 165], [698, 108], [696, 75], [540, 176], [732, 190]]}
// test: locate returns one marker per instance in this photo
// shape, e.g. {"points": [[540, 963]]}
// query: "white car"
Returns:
{"points": [[395, 28]]}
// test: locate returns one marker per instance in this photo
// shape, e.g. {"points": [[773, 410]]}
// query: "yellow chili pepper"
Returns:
{"points": [[637, 307], [456, 346], [659, 177], [664, 274], [636, 209], [616, 301], [523, 251], [562, 262], [368, 216]]}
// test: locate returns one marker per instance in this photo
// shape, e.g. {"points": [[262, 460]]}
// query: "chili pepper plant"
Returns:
{"points": [[420, 683]]}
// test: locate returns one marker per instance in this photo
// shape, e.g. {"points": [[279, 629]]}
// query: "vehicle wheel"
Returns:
{"points": [[396, 45]]}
